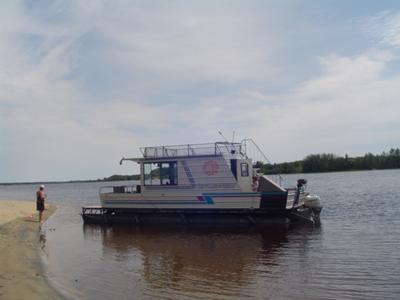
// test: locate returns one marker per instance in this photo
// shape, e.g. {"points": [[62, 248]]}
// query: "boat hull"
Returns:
{"points": [[193, 217]]}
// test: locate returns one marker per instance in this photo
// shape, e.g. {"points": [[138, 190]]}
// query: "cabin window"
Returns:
{"points": [[160, 173], [244, 169]]}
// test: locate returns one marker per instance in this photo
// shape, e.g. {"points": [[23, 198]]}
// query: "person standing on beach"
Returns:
{"points": [[40, 196]]}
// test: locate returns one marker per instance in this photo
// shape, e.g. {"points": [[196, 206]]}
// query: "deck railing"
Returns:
{"points": [[218, 148], [253, 151]]}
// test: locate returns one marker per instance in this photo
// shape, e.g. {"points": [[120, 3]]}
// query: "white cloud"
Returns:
{"points": [[341, 111], [205, 45], [52, 121], [385, 26]]}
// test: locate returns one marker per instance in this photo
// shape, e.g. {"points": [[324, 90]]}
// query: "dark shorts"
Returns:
{"points": [[39, 205]]}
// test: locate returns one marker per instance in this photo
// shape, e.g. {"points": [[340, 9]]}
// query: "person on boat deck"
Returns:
{"points": [[254, 184], [40, 196]]}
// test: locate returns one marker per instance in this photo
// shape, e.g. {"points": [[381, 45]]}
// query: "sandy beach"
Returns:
{"points": [[21, 272]]}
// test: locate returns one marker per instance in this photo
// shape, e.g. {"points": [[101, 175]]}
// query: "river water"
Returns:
{"points": [[354, 254]]}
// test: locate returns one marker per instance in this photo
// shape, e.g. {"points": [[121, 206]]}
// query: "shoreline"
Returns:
{"points": [[22, 275], [111, 181]]}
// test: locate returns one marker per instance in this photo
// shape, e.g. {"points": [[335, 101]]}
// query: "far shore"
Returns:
{"points": [[47, 182], [136, 177], [21, 274]]}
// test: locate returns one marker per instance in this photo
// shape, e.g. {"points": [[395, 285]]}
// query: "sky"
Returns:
{"points": [[84, 83]]}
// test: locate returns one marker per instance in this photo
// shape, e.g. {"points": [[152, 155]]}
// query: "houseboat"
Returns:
{"points": [[204, 184]]}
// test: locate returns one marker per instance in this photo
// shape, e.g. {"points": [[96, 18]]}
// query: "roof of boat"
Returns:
{"points": [[226, 149]]}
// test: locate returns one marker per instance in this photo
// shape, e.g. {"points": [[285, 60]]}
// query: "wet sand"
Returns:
{"points": [[21, 272]]}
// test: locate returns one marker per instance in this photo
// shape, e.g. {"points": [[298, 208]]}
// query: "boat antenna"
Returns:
{"points": [[232, 151], [233, 136], [220, 133]]}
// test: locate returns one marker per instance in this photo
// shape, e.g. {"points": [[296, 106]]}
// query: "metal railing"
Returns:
{"points": [[253, 151], [218, 148]]}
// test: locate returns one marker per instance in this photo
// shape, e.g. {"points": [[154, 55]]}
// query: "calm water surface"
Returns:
{"points": [[355, 254]]}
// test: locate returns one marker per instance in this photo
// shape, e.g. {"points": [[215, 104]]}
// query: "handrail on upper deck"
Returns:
{"points": [[253, 152], [217, 148]]}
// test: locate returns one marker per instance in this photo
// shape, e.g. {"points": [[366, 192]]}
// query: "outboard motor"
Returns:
{"points": [[311, 205], [314, 203]]}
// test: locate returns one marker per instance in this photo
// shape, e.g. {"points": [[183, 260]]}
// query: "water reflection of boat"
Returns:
{"points": [[202, 184], [192, 258]]}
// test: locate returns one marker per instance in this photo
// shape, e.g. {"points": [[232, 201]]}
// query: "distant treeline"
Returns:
{"points": [[121, 178], [333, 163]]}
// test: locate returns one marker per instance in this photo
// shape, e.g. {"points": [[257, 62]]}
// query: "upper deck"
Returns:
{"points": [[225, 149]]}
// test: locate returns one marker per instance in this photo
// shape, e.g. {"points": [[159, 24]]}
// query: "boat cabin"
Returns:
{"points": [[217, 166]]}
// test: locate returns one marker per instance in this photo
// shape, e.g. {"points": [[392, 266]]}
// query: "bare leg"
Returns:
{"points": [[40, 216]]}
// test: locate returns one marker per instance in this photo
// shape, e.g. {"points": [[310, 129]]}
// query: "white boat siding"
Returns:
{"points": [[211, 200]]}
